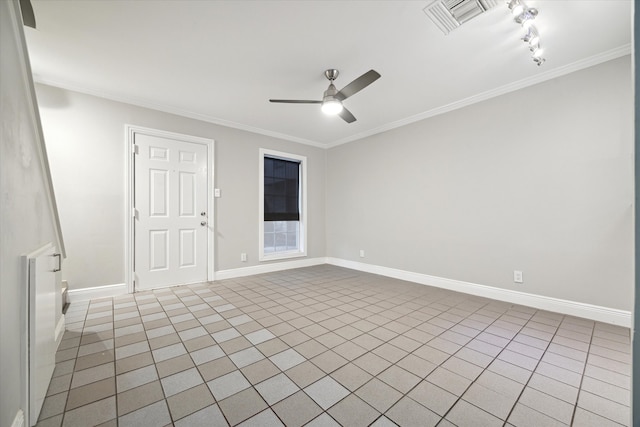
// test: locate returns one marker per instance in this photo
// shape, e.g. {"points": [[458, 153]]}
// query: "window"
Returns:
{"points": [[282, 194]]}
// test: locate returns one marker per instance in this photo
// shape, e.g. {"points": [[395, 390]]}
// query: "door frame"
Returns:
{"points": [[129, 252]]}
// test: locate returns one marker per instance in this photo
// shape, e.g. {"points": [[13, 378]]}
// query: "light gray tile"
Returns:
{"points": [[168, 352], [287, 359], [96, 347], [225, 335], [156, 414], [323, 420], [523, 416], [433, 397], [408, 412], [266, 418], [259, 336], [209, 416], [584, 418], [210, 319], [136, 378], [181, 381], [192, 333], [353, 411], [227, 385], [326, 392], [90, 375], [132, 349], [554, 388], [246, 357], [465, 414], [276, 388], [604, 407], [449, 381], [93, 414], [240, 320], [606, 390], [549, 405], [490, 401], [207, 354]]}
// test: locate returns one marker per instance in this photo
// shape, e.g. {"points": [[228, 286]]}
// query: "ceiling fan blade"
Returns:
{"points": [[358, 84], [346, 115], [295, 101], [28, 17]]}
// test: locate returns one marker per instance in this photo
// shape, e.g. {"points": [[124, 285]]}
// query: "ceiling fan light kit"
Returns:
{"points": [[524, 15], [331, 103]]}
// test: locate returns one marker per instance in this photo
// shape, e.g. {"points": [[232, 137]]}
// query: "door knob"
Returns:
{"points": [[203, 223]]}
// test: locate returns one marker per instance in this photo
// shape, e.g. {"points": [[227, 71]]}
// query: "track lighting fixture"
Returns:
{"points": [[524, 15]]}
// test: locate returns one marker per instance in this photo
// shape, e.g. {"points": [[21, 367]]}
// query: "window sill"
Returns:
{"points": [[282, 255]]}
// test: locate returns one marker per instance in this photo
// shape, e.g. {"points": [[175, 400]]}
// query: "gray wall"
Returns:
{"points": [[538, 180], [86, 143], [26, 221]]}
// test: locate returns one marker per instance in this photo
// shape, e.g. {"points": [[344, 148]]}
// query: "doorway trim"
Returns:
{"points": [[129, 249]]}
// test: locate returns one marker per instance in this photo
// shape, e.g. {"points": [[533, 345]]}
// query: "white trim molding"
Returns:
{"points": [[85, 294], [18, 421], [60, 327], [302, 233], [572, 308], [268, 268]]}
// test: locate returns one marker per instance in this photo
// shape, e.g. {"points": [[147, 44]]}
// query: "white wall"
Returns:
{"points": [[26, 220], [538, 180], [86, 143]]}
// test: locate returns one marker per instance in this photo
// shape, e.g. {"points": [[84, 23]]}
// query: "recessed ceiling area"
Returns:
{"points": [[221, 61]]}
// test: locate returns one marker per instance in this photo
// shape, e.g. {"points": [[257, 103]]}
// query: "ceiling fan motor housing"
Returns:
{"points": [[330, 94]]}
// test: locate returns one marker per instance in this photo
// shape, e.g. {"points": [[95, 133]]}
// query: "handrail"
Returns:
{"points": [[34, 116]]}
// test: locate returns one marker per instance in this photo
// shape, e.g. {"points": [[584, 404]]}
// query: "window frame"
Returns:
{"points": [[302, 200]]}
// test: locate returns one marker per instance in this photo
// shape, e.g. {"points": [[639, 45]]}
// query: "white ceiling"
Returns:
{"points": [[221, 61]]}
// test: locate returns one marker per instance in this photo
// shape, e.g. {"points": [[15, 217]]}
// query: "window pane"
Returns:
{"points": [[281, 241], [292, 241], [269, 242], [281, 189]]}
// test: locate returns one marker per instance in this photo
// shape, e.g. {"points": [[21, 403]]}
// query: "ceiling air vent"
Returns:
{"points": [[450, 14]]}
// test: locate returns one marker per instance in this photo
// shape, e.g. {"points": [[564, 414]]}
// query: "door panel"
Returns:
{"points": [[171, 191]]}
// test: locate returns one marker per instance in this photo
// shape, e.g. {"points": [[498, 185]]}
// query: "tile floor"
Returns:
{"points": [[328, 346]]}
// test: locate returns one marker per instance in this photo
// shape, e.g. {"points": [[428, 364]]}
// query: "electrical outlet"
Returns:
{"points": [[361, 253], [243, 257], [216, 192], [517, 276]]}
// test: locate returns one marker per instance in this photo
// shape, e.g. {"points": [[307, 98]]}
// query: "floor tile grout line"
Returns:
{"points": [[575, 407], [389, 313], [534, 371], [474, 381]]}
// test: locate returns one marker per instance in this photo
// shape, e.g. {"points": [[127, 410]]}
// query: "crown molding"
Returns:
{"points": [[511, 87], [138, 102]]}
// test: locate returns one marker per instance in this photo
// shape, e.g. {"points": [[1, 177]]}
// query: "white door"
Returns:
{"points": [[171, 218]]}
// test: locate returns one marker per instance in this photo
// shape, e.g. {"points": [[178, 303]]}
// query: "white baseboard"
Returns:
{"points": [[18, 421], [573, 308], [269, 268], [86, 294]]}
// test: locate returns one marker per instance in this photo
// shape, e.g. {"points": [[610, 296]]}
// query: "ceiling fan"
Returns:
{"points": [[332, 100]]}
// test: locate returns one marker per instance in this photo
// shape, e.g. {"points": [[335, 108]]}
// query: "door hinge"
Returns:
{"points": [[134, 149], [134, 213]]}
